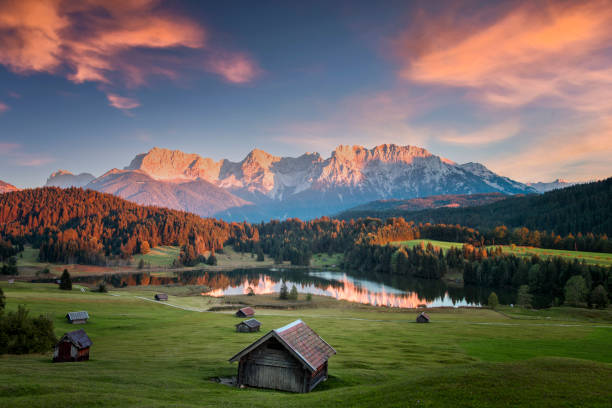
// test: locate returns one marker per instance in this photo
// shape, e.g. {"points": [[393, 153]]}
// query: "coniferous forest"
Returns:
{"points": [[83, 226]]}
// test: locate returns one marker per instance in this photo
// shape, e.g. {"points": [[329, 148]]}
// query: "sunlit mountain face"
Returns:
{"points": [[340, 286]]}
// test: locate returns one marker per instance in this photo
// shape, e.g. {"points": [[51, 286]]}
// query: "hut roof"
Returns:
{"points": [[79, 338], [301, 341], [251, 323], [425, 315], [161, 296], [248, 311], [77, 315]]}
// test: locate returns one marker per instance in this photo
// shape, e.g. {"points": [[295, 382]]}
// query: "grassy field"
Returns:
{"points": [[147, 354], [589, 257]]}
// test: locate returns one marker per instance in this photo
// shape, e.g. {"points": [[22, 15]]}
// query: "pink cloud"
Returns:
{"points": [[3, 107], [554, 50], [13, 153], [113, 43], [121, 102], [236, 68]]}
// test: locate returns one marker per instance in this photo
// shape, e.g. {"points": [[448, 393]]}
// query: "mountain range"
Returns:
{"points": [[264, 186], [553, 185], [65, 179]]}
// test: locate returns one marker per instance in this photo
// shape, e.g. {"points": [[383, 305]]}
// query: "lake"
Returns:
{"points": [[373, 289]]}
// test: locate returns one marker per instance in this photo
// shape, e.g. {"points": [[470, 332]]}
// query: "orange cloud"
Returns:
{"points": [[121, 102], [111, 42], [534, 50]]}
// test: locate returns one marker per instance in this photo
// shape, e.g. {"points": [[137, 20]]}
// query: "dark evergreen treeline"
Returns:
{"points": [[84, 226], [480, 267], [583, 208]]}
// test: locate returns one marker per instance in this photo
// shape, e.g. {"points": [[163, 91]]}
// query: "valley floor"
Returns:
{"points": [[155, 355]]}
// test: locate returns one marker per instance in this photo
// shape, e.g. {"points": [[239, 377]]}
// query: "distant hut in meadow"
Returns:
{"points": [[161, 296], [73, 346], [422, 318], [248, 326], [245, 312], [77, 317], [292, 358]]}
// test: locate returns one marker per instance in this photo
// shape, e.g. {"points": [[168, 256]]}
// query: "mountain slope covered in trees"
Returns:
{"points": [[85, 226], [582, 208]]}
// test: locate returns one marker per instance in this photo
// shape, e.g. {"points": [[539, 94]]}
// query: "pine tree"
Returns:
{"points": [[284, 293], [293, 294], [523, 297], [493, 301], [2, 300], [65, 281], [599, 297]]}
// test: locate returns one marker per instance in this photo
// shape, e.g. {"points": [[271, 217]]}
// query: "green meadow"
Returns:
{"points": [[596, 258], [149, 354]]}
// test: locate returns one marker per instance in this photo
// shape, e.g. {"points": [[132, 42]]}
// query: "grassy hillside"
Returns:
{"points": [[595, 258], [149, 354]]}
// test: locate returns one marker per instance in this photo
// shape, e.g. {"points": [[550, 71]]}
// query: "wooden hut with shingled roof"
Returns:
{"points": [[245, 312], [422, 318], [73, 346], [248, 326], [291, 358]]}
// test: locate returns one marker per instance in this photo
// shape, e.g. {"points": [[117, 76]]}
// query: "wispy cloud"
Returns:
{"points": [[513, 56], [15, 154], [237, 68], [113, 43], [121, 102], [489, 134], [3, 107]]}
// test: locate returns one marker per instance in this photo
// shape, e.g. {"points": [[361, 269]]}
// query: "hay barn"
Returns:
{"points": [[292, 358], [245, 312], [423, 318], [248, 326], [73, 346], [77, 317]]}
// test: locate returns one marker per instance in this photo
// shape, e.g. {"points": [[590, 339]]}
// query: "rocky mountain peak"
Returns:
{"points": [[6, 187], [64, 179]]}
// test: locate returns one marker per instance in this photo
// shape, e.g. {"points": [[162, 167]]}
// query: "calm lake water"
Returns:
{"points": [[378, 290]]}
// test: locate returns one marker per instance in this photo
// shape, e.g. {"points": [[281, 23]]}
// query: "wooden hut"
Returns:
{"points": [[248, 326], [77, 317], [73, 346], [161, 296], [245, 312], [292, 358], [422, 318]]}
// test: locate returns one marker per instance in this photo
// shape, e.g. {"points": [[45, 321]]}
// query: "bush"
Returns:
{"points": [[260, 255], [599, 297], [576, 291], [102, 288], [250, 292], [10, 268], [309, 297], [212, 259], [21, 334], [493, 300], [141, 264], [65, 281], [293, 294]]}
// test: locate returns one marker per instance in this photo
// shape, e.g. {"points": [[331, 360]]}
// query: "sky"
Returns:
{"points": [[524, 87]]}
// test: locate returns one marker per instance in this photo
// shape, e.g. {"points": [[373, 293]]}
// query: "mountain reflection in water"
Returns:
{"points": [[373, 289]]}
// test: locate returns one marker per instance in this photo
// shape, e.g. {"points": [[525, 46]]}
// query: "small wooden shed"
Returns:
{"points": [[77, 317], [161, 296], [245, 312], [422, 318], [73, 346], [292, 358], [248, 326]]}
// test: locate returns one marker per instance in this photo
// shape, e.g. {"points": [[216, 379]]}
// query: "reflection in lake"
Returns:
{"points": [[378, 290]]}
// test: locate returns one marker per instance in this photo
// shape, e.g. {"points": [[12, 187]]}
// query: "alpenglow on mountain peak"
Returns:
{"points": [[263, 186]]}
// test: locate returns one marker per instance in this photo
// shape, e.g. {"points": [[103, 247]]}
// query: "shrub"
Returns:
{"points": [[493, 301], [309, 297], [65, 281], [21, 334], [141, 264], [102, 287], [250, 292], [212, 259]]}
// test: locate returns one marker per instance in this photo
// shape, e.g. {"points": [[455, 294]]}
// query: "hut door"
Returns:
{"points": [[64, 350]]}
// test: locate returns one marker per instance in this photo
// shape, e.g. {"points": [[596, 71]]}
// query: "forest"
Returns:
{"points": [[583, 208]]}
